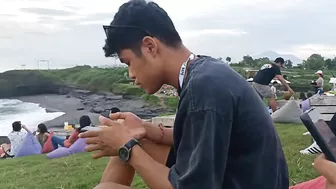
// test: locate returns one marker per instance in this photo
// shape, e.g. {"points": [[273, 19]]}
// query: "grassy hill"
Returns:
{"points": [[24, 82], [115, 80], [82, 172]]}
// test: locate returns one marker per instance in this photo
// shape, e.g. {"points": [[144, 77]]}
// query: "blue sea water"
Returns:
{"points": [[30, 114]]}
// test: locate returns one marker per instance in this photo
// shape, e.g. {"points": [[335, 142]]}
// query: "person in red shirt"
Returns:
{"points": [[57, 141]]}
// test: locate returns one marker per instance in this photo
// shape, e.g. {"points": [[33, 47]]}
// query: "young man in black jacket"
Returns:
{"points": [[223, 137]]}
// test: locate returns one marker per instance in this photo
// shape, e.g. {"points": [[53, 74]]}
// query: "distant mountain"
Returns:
{"points": [[273, 55]]}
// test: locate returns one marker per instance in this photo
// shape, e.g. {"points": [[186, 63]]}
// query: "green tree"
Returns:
{"points": [[329, 63], [261, 61], [248, 61], [288, 64], [314, 62], [298, 66], [228, 59]]}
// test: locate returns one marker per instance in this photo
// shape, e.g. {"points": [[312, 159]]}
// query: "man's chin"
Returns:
{"points": [[150, 90]]}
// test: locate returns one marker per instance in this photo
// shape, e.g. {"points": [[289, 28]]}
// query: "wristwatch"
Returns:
{"points": [[125, 151]]}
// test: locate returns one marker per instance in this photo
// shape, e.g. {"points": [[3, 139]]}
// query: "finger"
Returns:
{"points": [[326, 168], [98, 154], [119, 115], [89, 134], [92, 140], [93, 147], [105, 121]]}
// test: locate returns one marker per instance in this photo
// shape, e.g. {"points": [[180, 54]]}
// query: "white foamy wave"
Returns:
{"points": [[30, 114]]}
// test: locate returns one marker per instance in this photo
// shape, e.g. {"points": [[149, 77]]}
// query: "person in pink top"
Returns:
{"points": [[57, 141]]}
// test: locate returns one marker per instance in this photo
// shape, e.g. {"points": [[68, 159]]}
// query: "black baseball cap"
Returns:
{"points": [[280, 61]]}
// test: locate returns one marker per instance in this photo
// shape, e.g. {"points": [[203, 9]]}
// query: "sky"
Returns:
{"points": [[66, 33]]}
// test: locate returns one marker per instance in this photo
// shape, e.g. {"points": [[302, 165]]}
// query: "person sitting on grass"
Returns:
{"points": [[43, 133], [16, 138], [57, 141], [222, 138]]}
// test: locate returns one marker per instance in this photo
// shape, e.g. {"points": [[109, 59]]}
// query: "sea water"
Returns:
{"points": [[30, 114]]}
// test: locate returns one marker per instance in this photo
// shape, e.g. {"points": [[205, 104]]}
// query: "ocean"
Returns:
{"points": [[30, 114]]}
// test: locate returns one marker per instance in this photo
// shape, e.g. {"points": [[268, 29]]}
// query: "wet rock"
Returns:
{"points": [[118, 97], [97, 110]]}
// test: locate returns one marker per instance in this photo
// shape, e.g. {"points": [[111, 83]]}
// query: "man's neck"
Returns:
{"points": [[175, 59]]}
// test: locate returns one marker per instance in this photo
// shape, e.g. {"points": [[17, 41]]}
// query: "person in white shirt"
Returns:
{"points": [[16, 137], [274, 89], [319, 82]]}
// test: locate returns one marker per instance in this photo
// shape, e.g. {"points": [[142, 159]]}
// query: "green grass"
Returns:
{"points": [[123, 88], [151, 99], [171, 101], [299, 166], [81, 172]]}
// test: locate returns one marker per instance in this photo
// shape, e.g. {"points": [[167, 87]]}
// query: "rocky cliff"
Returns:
{"points": [[25, 83]]}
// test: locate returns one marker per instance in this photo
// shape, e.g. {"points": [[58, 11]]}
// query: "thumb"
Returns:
{"points": [[118, 115], [326, 168], [109, 122]]}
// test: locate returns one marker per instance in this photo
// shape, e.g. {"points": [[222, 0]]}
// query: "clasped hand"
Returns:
{"points": [[108, 140]]}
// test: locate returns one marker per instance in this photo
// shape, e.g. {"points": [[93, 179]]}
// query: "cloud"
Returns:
{"points": [[94, 22], [7, 15], [46, 12], [212, 32], [305, 50], [70, 32], [96, 19]]}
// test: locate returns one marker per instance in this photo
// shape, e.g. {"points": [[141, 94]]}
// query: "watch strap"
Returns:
{"points": [[129, 145]]}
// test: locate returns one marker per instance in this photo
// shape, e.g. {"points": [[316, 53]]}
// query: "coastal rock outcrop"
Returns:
{"points": [[25, 83]]}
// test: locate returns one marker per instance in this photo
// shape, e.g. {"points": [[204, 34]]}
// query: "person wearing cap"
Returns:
{"points": [[319, 82], [263, 78]]}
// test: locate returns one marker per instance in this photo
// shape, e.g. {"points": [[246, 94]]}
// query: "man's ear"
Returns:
{"points": [[149, 46]]}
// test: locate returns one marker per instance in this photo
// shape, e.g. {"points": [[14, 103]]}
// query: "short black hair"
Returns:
{"points": [[84, 121], [17, 126], [279, 60], [115, 110], [135, 20]]}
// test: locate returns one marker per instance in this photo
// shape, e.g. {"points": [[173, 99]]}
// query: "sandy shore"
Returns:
{"points": [[79, 103], [61, 103]]}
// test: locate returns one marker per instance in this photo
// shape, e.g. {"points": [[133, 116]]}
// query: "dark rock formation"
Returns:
{"points": [[4, 139], [97, 110], [24, 83]]}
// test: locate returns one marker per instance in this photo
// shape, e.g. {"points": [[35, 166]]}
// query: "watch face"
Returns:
{"points": [[124, 154]]}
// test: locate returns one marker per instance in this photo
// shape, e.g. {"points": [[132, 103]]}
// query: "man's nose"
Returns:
{"points": [[131, 74]]}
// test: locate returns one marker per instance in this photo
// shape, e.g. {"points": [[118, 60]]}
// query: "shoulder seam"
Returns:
{"points": [[192, 83]]}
